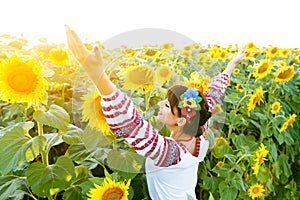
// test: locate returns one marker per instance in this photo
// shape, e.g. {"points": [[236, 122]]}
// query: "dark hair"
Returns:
{"points": [[194, 127]]}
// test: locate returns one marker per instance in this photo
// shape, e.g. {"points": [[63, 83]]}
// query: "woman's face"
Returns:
{"points": [[165, 114]]}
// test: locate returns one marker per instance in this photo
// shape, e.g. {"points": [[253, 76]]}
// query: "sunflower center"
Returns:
{"points": [[274, 50], [285, 74], [22, 81], [112, 194], [255, 190], [164, 72], [263, 68]]}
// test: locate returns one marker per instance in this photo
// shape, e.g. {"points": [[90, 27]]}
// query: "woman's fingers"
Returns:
{"points": [[76, 45]]}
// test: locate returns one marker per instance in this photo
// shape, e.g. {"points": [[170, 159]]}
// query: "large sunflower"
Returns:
{"points": [[22, 80], [110, 190], [284, 74], [140, 78], [92, 112], [288, 122], [163, 74], [58, 56], [256, 191], [263, 69], [255, 98]]}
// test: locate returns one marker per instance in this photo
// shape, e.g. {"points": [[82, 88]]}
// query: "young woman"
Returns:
{"points": [[171, 162]]}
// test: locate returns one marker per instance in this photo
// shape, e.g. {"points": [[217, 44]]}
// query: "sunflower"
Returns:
{"points": [[275, 107], [140, 78], [272, 52], [110, 190], [130, 53], [220, 163], [256, 191], [284, 74], [255, 98], [255, 168], [150, 53], [92, 112], [22, 80], [163, 74], [288, 122], [284, 52], [261, 153], [239, 88], [200, 85], [223, 54], [263, 69], [250, 46], [236, 71], [167, 46], [58, 56]]}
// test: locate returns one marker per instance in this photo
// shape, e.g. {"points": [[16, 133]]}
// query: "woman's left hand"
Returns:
{"points": [[238, 57]]}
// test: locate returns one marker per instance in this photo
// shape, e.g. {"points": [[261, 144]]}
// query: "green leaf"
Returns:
{"points": [[16, 147], [72, 135], [245, 143], [87, 185], [73, 192], [55, 117], [46, 181], [127, 163], [12, 187], [227, 192], [82, 174], [94, 139], [236, 181], [283, 166]]}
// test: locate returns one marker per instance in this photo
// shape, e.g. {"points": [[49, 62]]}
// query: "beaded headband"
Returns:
{"points": [[189, 103]]}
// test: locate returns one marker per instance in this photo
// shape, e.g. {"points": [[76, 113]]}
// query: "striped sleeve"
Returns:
{"points": [[216, 89], [124, 120], [202, 145]]}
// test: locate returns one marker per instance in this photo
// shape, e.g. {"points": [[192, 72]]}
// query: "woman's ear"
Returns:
{"points": [[181, 121]]}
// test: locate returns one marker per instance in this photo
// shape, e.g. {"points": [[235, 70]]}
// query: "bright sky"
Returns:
{"points": [[264, 22]]}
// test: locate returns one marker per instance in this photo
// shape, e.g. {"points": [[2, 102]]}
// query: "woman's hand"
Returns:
{"points": [[92, 61], [238, 57]]}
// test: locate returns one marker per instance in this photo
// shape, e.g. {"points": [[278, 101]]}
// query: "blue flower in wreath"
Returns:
{"points": [[189, 103]]}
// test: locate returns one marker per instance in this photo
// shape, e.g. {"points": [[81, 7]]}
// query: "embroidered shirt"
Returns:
{"points": [[163, 154]]}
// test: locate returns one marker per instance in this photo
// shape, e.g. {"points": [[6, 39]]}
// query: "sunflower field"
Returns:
{"points": [[55, 143]]}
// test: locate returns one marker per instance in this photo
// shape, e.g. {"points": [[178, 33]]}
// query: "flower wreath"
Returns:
{"points": [[190, 102]]}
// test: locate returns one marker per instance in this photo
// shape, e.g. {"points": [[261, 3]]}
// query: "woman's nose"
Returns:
{"points": [[160, 103]]}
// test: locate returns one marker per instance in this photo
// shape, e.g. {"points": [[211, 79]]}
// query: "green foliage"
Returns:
{"points": [[48, 151]]}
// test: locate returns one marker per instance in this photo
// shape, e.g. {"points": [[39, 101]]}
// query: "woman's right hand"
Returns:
{"points": [[92, 61]]}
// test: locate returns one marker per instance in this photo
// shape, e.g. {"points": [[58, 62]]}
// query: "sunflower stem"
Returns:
{"points": [[44, 154], [147, 100], [229, 132], [115, 143]]}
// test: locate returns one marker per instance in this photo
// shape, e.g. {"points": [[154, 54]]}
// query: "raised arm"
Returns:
{"points": [[219, 83], [120, 113], [92, 62]]}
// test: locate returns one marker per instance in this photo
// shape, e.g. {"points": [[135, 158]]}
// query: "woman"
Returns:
{"points": [[171, 162]]}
